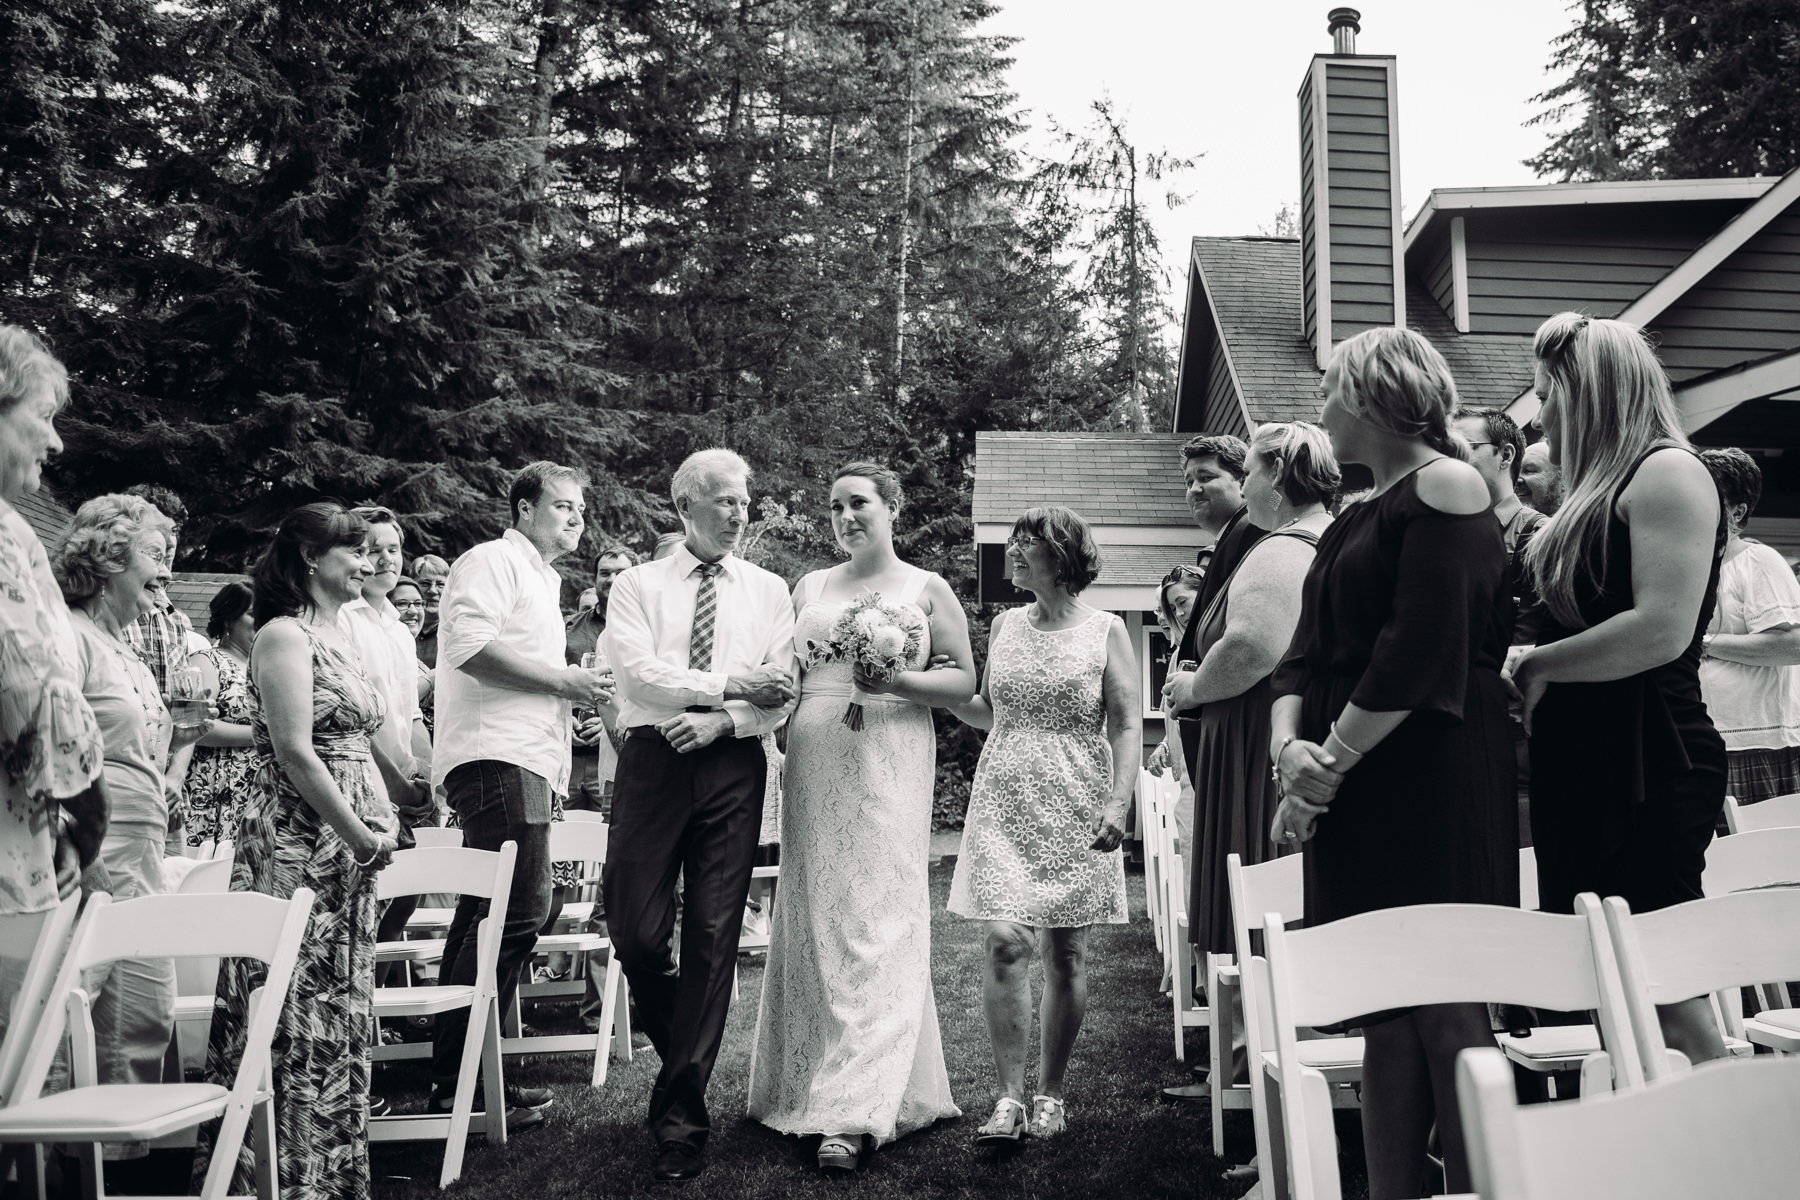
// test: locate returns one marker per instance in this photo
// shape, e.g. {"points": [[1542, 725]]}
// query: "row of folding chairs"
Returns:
{"points": [[1603, 960], [197, 926]]}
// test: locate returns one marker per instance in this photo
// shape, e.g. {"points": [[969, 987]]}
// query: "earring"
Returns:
{"points": [[311, 570]]}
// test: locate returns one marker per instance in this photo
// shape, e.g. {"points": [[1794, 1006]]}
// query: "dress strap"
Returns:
{"points": [[915, 586]]}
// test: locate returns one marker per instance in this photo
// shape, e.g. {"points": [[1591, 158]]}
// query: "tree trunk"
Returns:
{"points": [[551, 36], [905, 238]]}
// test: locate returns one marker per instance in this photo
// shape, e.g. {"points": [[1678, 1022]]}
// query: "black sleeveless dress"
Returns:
{"points": [[1407, 607], [1628, 776]]}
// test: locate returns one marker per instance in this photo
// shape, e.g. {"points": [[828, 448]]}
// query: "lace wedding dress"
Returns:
{"points": [[847, 1036]]}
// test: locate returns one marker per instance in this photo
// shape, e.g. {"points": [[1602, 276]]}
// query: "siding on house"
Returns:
{"points": [[1746, 308], [1309, 223], [1527, 264], [1223, 412], [1428, 267], [1361, 200]]}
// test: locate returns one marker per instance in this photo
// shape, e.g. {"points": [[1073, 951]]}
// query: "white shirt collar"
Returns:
{"points": [[685, 562], [523, 545]]}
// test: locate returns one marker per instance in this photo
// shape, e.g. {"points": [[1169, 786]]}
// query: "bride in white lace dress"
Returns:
{"points": [[847, 1039]]}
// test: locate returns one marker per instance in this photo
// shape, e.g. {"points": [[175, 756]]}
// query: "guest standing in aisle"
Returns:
{"points": [[1628, 772], [1389, 728]]}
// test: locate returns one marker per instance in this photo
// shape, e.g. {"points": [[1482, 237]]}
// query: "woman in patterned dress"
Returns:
{"points": [[847, 1043], [314, 818], [218, 776], [1047, 809]]}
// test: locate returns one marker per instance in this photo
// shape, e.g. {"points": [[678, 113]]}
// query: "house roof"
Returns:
{"points": [[1444, 201], [1255, 284], [1109, 478], [192, 592], [46, 515], [1141, 566], [1490, 369]]}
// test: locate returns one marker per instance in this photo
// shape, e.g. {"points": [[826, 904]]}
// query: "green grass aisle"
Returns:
{"points": [[1122, 1141]]}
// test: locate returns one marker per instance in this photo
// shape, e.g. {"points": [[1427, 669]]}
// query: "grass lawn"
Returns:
{"points": [[1122, 1141]]}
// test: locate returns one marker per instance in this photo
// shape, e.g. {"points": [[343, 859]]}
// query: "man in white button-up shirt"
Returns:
{"points": [[702, 644], [503, 697]]}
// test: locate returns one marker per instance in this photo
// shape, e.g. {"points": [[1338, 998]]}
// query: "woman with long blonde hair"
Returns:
{"points": [[1628, 772]]}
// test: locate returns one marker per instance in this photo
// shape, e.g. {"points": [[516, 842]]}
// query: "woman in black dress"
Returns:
{"points": [[1389, 728], [1628, 773]]}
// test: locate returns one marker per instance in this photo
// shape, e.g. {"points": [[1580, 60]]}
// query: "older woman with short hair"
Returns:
{"points": [[1039, 859], [52, 794], [111, 563]]}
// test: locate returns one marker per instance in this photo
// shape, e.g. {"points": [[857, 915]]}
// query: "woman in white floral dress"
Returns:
{"points": [[1040, 859], [847, 1044]]}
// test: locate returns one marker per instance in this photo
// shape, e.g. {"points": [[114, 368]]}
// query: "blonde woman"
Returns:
{"points": [[1389, 726], [1628, 772]]}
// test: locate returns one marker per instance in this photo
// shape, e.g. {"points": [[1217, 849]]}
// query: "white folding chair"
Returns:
{"points": [[1704, 946], [582, 842], [1777, 812], [1429, 954], [487, 874], [1528, 879], [1756, 859], [196, 979], [1187, 1012], [1276, 886], [1148, 801], [39, 940], [235, 925], [436, 837], [1727, 1130]]}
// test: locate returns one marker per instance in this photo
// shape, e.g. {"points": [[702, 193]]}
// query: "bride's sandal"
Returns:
{"points": [[840, 1153], [1049, 1116], [1008, 1124]]}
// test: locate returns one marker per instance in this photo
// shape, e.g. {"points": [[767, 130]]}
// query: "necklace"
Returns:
{"points": [[131, 665]]}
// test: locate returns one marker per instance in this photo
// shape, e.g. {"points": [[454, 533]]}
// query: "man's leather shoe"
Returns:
{"points": [[677, 1162], [524, 1097]]}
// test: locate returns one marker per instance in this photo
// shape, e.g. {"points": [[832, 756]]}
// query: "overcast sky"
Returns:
{"points": [[1202, 77]]}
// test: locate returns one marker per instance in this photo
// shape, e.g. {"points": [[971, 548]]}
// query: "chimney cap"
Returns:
{"points": [[1343, 24]]}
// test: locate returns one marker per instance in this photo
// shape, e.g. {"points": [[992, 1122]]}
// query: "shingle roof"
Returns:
{"points": [[1490, 369], [1109, 478], [1255, 283], [192, 592], [1141, 566], [46, 515]]}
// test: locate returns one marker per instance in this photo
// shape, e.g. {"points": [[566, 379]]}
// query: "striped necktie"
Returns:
{"points": [[700, 642]]}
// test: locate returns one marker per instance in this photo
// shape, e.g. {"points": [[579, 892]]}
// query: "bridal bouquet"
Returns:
{"points": [[871, 633]]}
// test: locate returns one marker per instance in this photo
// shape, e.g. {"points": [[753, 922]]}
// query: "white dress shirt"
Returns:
{"points": [[500, 592], [650, 619], [386, 648]]}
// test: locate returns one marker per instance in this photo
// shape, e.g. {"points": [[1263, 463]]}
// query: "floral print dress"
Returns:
{"points": [[324, 1041], [219, 777]]}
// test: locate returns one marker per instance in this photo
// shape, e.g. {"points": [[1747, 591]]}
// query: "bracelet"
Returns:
{"points": [[1275, 760], [1346, 745], [370, 861]]}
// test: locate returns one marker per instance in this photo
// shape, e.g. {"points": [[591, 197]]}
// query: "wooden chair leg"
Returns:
{"points": [[268, 1167], [493, 1075]]}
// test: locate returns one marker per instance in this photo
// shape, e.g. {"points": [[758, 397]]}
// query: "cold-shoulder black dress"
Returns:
{"points": [[1407, 607], [1627, 776]]}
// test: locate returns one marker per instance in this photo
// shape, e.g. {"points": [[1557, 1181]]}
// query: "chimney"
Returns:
{"points": [[1352, 252]]}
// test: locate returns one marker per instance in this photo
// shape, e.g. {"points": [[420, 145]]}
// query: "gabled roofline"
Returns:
{"points": [[1555, 195], [1237, 385], [1774, 200], [1710, 397]]}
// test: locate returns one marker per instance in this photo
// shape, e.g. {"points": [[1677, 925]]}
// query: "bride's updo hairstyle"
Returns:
{"points": [[1397, 381], [887, 483]]}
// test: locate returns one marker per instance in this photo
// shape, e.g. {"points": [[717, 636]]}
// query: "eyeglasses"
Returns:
{"points": [[1023, 541], [1182, 572], [407, 604]]}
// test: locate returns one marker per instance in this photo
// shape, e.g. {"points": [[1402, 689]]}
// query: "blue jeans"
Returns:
{"points": [[494, 802]]}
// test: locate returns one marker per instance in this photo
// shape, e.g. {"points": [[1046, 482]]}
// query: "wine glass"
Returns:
{"points": [[187, 698], [589, 661]]}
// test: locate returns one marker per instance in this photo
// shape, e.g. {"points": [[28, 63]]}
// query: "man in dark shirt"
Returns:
{"points": [[1213, 468]]}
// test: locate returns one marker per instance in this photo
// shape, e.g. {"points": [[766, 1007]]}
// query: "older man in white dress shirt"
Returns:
{"points": [[503, 702], [702, 643]]}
